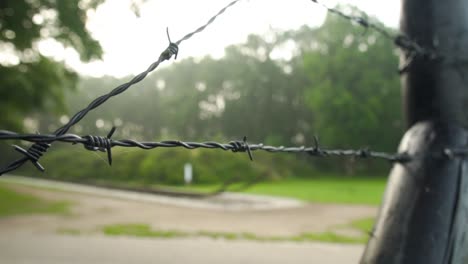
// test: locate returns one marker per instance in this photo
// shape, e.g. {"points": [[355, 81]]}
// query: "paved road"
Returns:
{"points": [[92, 208], [224, 201], [55, 249], [34, 239]]}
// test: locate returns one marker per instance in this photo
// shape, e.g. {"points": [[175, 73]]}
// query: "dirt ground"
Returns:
{"points": [[90, 212]]}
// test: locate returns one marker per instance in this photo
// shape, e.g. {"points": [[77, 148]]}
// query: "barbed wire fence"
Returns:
{"points": [[42, 142]]}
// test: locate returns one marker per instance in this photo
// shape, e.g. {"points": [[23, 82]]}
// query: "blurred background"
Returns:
{"points": [[278, 72]]}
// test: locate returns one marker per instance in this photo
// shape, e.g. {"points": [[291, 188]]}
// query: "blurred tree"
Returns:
{"points": [[28, 79], [336, 81], [266, 97], [354, 93]]}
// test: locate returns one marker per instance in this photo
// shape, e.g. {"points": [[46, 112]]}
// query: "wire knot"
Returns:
{"points": [[241, 146], [449, 153], [34, 153], [172, 49], [364, 153], [402, 41], [402, 157], [362, 21], [97, 143], [316, 151]]}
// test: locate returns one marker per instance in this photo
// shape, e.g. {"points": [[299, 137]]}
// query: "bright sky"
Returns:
{"points": [[132, 43]]}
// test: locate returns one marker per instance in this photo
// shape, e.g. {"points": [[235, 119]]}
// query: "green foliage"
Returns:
{"points": [[165, 166], [32, 85], [354, 92], [17, 203], [241, 94], [339, 83], [32, 81]]}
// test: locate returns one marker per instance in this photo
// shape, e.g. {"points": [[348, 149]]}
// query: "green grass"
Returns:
{"points": [[365, 225], [323, 190], [139, 230], [330, 237], [144, 230], [14, 203]]}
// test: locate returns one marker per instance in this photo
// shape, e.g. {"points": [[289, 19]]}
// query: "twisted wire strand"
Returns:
{"points": [[211, 20], [402, 41], [42, 142], [171, 50], [106, 143]]}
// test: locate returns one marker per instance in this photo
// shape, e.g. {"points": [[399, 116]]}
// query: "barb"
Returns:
{"points": [[34, 153], [242, 146], [103, 144], [94, 143]]}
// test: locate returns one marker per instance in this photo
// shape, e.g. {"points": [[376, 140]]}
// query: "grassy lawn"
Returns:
{"points": [[144, 230], [13, 203], [365, 225], [324, 190], [139, 230]]}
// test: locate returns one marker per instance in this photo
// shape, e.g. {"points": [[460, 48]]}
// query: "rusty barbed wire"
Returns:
{"points": [[35, 152]]}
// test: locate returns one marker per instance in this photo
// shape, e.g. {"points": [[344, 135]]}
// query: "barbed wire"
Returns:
{"points": [[211, 20], [410, 47], [400, 40], [42, 142], [105, 144], [35, 152]]}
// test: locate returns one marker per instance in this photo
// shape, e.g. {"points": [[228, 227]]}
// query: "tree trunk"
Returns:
{"points": [[424, 211]]}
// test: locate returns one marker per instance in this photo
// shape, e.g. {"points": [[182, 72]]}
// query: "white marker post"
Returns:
{"points": [[188, 173]]}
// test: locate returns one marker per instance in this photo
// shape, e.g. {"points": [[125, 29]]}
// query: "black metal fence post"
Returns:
{"points": [[424, 213]]}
